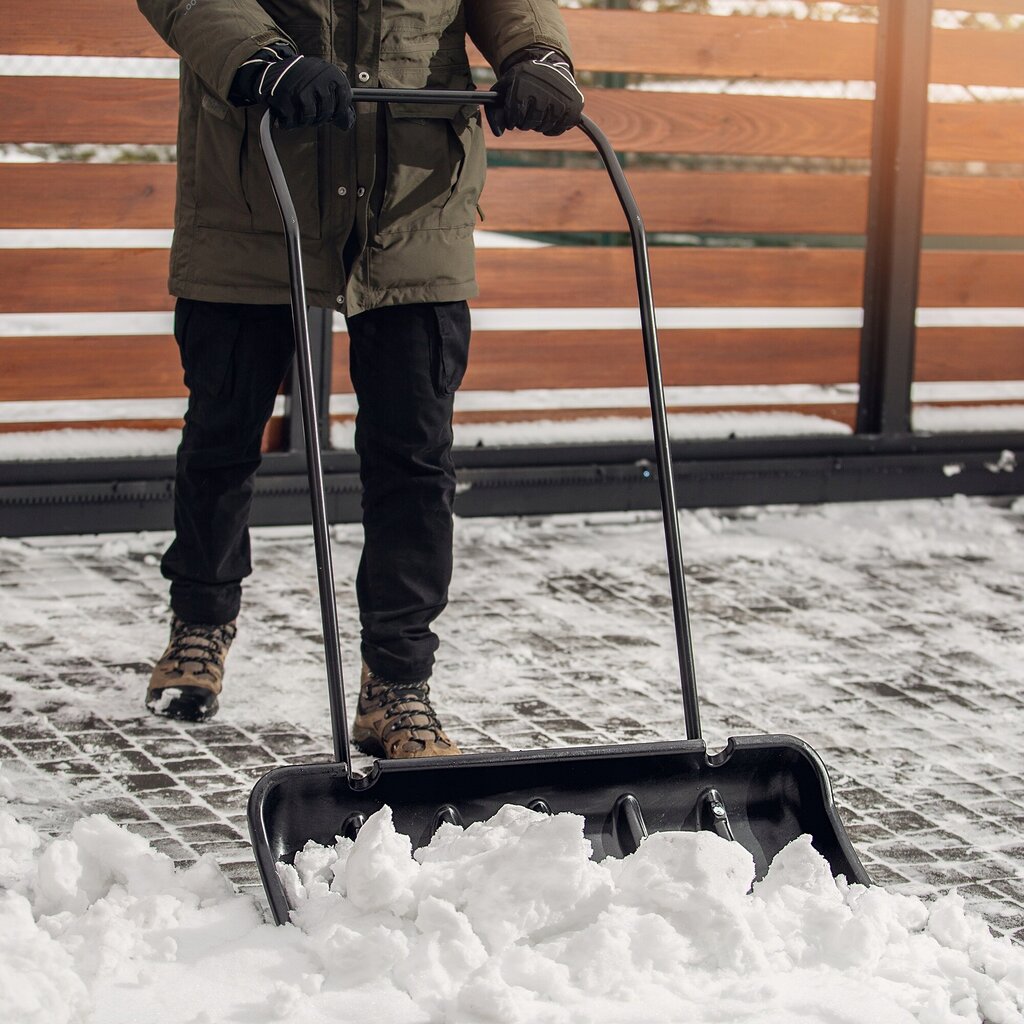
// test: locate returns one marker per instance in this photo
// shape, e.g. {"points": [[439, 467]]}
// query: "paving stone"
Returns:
{"points": [[227, 799], [241, 755], [120, 809], [209, 832], [192, 766], [285, 743], [150, 780], [225, 850], [190, 814]]}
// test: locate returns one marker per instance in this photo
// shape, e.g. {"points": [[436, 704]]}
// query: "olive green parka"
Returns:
{"points": [[386, 210]]}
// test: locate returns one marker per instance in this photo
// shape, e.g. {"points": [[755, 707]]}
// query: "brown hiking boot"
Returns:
{"points": [[397, 720], [187, 679]]}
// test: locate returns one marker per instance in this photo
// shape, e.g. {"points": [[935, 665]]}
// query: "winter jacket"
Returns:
{"points": [[387, 210]]}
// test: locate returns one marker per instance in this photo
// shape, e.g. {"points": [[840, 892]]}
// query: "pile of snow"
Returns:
{"points": [[508, 920]]}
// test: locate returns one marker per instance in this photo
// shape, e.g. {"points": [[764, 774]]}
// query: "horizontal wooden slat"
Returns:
{"points": [[7, 427], [100, 280], [670, 43], [516, 199], [546, 199], [667, 43], [123, 110], [574, 200], [512, 360], [976, 131], [55, 280], [38, 369], [995, 6], [971, 279], [977, 57], [66, 369], [113, 110], [664, 43], [737, 277], [83, 280], [974, 206], [541, 199], [969, 353], [74, 195], [88, 28]]}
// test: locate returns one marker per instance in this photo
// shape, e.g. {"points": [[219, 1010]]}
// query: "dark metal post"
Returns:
{"points": [[895, 201]]}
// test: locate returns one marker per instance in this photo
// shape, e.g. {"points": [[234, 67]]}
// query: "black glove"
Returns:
{"points": [[299, 90], [538, 93]]}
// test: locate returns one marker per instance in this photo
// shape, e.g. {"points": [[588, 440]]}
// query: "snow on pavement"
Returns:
{"points": [[889, 636], [507, 921]]}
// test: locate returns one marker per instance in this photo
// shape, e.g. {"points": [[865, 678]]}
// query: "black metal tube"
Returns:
{"points": [[448, 97], [310, 429], [662, 445]]}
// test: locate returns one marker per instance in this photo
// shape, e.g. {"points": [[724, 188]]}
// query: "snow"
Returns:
{"points": [[596, 429], [47, 445], [507, 920], [952, 418]]}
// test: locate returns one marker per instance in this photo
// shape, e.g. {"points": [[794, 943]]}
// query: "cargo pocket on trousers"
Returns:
{"points": [[450, 355]]}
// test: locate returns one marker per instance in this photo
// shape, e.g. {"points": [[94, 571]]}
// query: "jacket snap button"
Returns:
{"points": [[340, 300], [342, 191], [360, 192], [363, 76]]}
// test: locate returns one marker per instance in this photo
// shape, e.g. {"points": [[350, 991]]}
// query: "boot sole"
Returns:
{"points": [[367, 743], [189, 704]]}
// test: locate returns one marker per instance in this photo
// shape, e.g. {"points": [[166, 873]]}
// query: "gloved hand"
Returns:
{"points": [[538, 93], [299, 90]]}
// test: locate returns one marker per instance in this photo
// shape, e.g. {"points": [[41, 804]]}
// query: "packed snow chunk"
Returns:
{"points": [[516, 877], [18, 844], [38, 980], [699, 883], [379, 871], [100, 856], [444, 955]]}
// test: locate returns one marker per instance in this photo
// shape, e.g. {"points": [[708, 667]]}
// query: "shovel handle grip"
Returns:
{"points": [[449, 97], [663, 452]]}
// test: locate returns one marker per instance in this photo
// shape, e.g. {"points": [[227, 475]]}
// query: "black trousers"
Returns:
{"points": [[406, 363]]}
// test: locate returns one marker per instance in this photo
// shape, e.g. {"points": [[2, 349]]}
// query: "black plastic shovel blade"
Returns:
{"points": [[764, 791]]}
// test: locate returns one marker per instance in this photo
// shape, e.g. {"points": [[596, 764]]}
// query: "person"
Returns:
{"points": [[387, 198]]}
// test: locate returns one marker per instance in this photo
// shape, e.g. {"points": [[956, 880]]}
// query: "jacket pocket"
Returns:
{"points": [[299, 153], [409, 27], [233, 190], [220, 142], [434, 172]]}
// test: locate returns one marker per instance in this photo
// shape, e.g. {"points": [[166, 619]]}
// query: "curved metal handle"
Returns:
{"points": [[663, 453]]}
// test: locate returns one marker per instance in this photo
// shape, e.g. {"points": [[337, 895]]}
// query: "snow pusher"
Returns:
{"points": [[760, 791]]}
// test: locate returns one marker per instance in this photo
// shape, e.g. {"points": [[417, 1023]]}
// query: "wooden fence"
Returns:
{"points": [[771, 314]]}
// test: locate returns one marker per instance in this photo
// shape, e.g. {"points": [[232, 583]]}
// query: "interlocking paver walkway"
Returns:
{"points": [[891, 638]]}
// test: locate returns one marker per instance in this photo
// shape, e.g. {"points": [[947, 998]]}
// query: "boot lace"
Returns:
{"points": [[401, 703], [198, 644]]}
